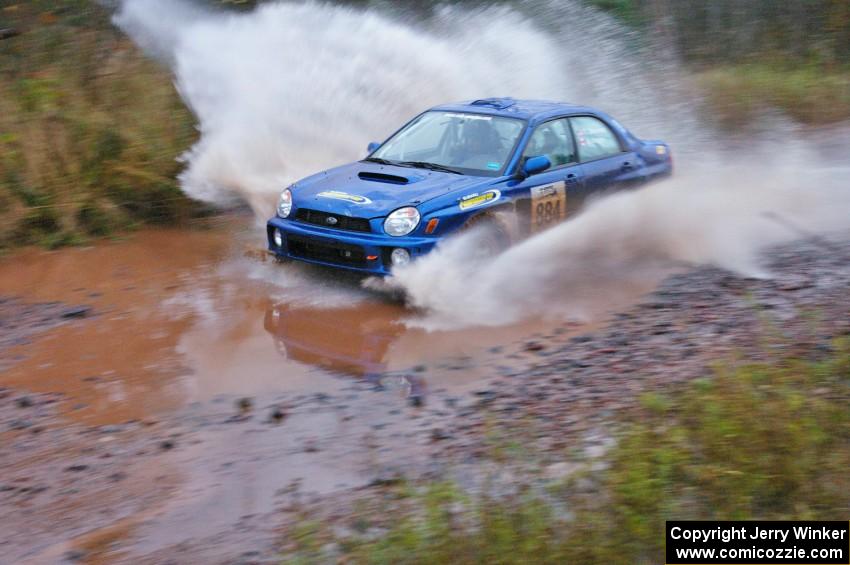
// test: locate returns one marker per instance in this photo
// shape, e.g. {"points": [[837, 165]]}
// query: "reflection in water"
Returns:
{"points": [[338, 340], [346, 341], [182, 317]]}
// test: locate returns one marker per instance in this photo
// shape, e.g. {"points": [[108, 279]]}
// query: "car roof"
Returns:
{"points": [[533, 110]]}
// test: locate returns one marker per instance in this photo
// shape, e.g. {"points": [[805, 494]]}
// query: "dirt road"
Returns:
{"points": [[165, 397]]}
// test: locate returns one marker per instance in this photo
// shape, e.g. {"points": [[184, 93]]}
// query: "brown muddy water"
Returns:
{"points": [[184, 324]]}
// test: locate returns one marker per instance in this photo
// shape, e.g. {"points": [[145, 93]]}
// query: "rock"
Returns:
{"points": [[276, 415], [167, 445], [387, 477], [438, 434], [559, 471], [20, 424], [8, 33], [75, 555], [416, 400], [244, 405], [77, 468], [24, 402], [659, 305], [76, 312], [534, 346], [791, 283]]}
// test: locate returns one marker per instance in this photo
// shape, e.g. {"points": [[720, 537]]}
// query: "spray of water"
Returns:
{"points": [[290, 89], [625, 241]]}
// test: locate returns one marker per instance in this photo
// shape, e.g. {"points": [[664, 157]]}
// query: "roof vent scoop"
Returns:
{"points": [[497, 103], [383, 177]]}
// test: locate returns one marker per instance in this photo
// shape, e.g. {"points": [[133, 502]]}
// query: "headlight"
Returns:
{"points": [[402, 221], [400, 257], [284, 203]]}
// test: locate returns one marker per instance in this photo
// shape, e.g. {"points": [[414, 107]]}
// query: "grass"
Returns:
{"points": [[810, 94], [89, 128], [763, 441]]}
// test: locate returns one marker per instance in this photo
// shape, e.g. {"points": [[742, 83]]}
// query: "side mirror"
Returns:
{"points": [[534, 165], [372, 146]]}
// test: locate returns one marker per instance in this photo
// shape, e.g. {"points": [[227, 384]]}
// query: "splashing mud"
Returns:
{"points": [[289, 89]]}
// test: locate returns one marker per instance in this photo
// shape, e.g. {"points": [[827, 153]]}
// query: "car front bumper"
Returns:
{"points": [[354, 251]]}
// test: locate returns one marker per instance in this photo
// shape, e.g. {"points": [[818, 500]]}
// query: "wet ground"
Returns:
{"points": [[163, 394], [174, 397]]}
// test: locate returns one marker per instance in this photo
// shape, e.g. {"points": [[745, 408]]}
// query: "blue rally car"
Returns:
{"points": [[514, 166]]}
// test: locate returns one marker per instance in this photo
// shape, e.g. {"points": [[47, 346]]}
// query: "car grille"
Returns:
{"points": [[342, 222], [336, 253]]}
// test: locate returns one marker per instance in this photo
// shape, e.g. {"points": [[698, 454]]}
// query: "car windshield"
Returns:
{"points": [[473, 144]]}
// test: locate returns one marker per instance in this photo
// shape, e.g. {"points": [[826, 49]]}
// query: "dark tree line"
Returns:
{"points": [[713, 31]]}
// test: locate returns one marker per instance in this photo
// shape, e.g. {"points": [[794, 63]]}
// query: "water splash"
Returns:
{"points": [[290, 89], [722, 216]]}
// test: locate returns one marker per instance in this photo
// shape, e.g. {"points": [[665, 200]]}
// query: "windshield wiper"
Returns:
{"points": [[431, 166], [379, 161]]}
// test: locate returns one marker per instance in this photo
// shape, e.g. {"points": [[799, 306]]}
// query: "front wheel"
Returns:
{"points": [[487, 236]]}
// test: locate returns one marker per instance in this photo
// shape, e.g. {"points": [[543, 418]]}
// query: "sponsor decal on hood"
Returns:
{"points": [[338, 195]]}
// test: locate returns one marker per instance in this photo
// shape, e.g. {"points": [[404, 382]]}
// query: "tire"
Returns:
{"points": [[496, 238]]}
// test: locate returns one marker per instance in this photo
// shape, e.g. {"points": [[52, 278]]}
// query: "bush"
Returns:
{"points": [[81, 111]]}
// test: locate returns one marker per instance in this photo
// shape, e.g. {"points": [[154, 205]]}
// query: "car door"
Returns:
{"points": [[551, 196], [605, 159]]}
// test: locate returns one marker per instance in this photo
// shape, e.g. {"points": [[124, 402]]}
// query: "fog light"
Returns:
{"points": [[278, 238], [400, 257]]}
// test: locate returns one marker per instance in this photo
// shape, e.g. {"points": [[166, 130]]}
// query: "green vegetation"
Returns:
{"points": [[627, 10], [757, 442], [89, 128], [792, 56], [737, 31], [809, 94]]}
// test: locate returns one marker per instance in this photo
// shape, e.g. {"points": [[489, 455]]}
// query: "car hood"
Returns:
{"points": [[370, 190]]}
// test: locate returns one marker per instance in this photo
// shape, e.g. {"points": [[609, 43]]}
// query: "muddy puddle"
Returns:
{"points": [[268, 378]]}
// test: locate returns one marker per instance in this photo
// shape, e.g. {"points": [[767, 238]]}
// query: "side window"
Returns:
{"points": [[554, 140], [595, 139]]}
